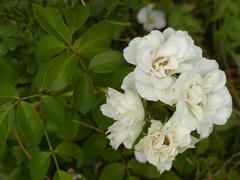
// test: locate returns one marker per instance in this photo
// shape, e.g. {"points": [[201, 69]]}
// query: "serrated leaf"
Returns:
{"points": [[62, 175], [113, 171], [106, 62], [147, 170], [52, 22], [70, 150], [97, 39], [52, 110], [76, 17], [29, 123], [39, 165], [47, 47], [84, 95], [60, 72]]}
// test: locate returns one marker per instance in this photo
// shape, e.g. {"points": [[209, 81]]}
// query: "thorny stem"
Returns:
{"points": [[88, 125], [19, 141]]}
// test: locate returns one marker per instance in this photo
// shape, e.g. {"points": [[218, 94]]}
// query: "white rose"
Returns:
{"points": [[163, 143], [123, 133], [158, 58], [128, 112], [150, 18], [203, 99]]}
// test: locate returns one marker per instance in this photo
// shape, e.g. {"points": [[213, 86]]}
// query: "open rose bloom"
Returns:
{"points": [[158, 57], [151, 18], [168, 68]]}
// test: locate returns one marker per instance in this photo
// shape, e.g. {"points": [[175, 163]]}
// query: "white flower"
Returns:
{"points": [[164, 142], [203, 99], [128, 112], [123, 133], [158, 58], [150, 18]]}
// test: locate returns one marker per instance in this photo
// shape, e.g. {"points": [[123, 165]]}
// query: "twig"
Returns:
{"points": [[89, 126], [83, 3], [226, 163], [19, 141]]}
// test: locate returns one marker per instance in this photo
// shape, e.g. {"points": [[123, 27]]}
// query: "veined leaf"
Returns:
{"points": [[52, 22]]}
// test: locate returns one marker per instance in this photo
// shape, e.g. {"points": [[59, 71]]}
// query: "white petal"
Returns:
{"points": [[217, 79], [222, 115], [206, 66], [140, 157], [146, 91], [130, 52], [143, 14], [129, 82]]}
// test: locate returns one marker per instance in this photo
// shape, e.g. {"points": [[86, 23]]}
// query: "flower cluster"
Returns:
{"points": [[169, 68]]}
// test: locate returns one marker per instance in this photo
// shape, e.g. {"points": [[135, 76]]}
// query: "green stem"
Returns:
{"points": [[51, 149], [89, 126]]}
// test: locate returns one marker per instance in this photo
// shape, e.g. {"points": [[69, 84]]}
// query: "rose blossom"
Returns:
{"points": [[203, 99], [159, 57], [163, 142], [128, 112]]}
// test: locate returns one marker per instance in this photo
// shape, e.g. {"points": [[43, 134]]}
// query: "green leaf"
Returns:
{"points": [[29, 123], [113, 171], [62, 175], [183, 163], [6, 116], [169, 175], [84, 95], [94, 145], [147, 170], [202, 146], [119, 75], [52, 110], [106, 62], [60, 72], [132, 178], [52, 22], [109, 154], [76, 17], [7, 92], [39, 165], [41, 75], [47, 47], [68, 150], [70, 130], [102, 121], [97, 39]]}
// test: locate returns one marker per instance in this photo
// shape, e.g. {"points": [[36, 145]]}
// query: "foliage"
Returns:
{"points": [[58, 57]]}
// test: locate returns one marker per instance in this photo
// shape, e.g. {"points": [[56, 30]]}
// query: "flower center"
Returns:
{"points": [[166, 141], [160, 68], [151, 21]]}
